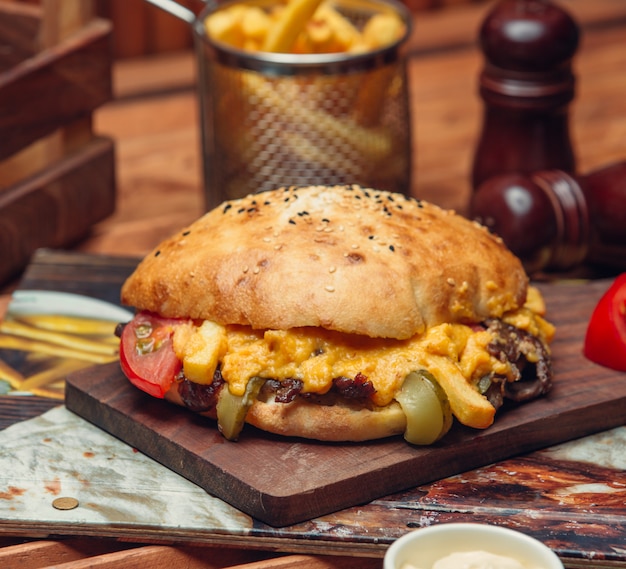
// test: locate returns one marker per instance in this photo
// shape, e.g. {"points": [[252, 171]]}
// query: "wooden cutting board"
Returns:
{"points": [[284, 481]]}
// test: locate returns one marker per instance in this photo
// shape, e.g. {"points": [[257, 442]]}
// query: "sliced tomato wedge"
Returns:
{"points": [[147, 356], [605, 340]]}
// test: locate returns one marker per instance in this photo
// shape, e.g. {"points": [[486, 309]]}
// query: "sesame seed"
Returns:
{"points": [[157, 253], [332, 269], [245, 269], [227, 207], [354, 246], [325, 220], [392, 248], [256, 270], [185, 233], [329, 288], [451, 281], [292, 222], [267, 240]]}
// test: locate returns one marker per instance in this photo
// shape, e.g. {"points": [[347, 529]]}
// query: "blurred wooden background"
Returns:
{"points": [[153, 117], [141, 29]]}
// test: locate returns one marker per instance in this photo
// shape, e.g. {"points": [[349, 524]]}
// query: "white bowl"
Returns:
{"points": [[422, 547]]}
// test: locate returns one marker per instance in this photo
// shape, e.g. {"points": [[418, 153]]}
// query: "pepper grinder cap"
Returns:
{"points": [[543, 218], [529, 36]]}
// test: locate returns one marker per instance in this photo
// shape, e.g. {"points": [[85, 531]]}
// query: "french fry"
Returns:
{"points": [[381, 30], [70, 324], [293, 19], [300, 26], [61, 339], [345, 35], [370, 100], [51, 375], [54, 390], [373, 144], [28, 345], [467, 404], [11, 375], [255, 23], [315, 154]]}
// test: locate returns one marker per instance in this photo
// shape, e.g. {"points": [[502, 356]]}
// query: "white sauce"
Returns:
{"points": [[473, 560]]}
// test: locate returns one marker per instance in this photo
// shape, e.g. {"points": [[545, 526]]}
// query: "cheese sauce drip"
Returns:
{"points": [[316, 358], [455, 354]]}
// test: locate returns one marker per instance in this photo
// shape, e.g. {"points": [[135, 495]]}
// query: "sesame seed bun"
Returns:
{"points": [[343, 258]]}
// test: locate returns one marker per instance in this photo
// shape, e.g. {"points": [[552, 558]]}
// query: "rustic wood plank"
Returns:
{"points": [[110, 554], [324, 478], [61, 19], [97, 276], [14, 408], [165, 557], [55, 208], [74, 76], [40, 554], [314, 562], [18, 30]]}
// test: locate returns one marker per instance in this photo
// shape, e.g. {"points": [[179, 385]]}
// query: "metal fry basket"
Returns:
{"points": [[281, 119], [272, 119]]}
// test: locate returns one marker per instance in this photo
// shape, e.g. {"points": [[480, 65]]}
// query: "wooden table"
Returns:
{"points": [[154, 121]]}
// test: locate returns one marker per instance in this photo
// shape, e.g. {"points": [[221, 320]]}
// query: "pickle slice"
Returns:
{"points": [[232, 409], [426, 406]]}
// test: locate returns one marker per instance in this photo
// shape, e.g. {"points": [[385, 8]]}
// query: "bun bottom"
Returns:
{"points": [[332, 420]]}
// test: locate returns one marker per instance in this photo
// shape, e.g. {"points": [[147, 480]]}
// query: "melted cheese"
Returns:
{"points": [[455, 354]]}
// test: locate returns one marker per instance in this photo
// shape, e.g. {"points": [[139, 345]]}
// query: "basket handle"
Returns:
{"points": [[175, 9]]}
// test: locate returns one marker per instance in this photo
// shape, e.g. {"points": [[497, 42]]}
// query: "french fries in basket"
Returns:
{"points": [[300, 26], [324, 117], [374, 144]]}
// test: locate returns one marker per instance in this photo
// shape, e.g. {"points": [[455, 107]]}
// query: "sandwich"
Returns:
{"points": [[336, 314]]}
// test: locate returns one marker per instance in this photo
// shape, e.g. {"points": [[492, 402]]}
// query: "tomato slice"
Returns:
{"points": [[147, 356], [605, 340]]}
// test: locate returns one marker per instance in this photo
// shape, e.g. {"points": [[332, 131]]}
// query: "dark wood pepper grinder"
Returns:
{"points": [[554, 221], [526, 85]]}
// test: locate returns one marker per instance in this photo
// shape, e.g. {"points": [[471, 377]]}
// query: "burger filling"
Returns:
{"points": [[469, 369]]}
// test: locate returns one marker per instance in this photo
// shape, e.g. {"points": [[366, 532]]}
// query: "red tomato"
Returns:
{"points": [[147, 357], [605, 341]]}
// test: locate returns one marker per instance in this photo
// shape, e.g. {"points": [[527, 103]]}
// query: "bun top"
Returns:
{"points": [[343, 258]]}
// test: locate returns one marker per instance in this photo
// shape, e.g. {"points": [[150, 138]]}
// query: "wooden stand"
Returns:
{"points": [[56, 176]]}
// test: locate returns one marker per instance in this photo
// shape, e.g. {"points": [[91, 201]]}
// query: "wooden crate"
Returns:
{"points": [[56, 176]]}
